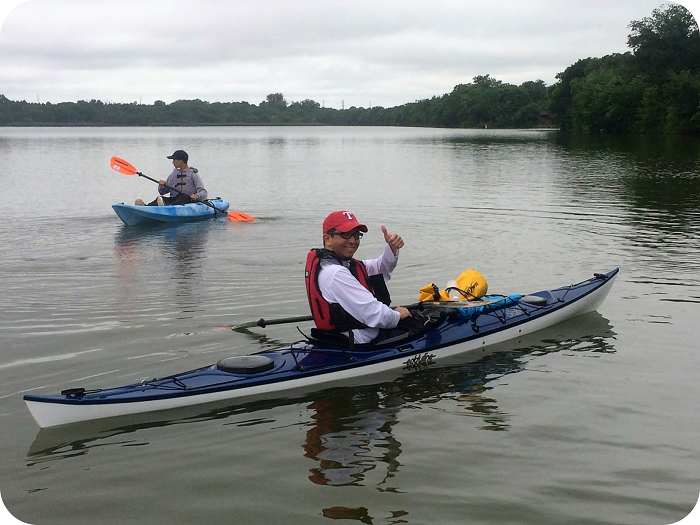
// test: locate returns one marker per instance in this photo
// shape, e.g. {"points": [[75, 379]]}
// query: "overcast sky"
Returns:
{"points": [[351, 52]]}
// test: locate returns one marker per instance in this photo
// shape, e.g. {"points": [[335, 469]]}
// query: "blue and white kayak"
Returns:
{"points": [[133, 215], [313, 363]]}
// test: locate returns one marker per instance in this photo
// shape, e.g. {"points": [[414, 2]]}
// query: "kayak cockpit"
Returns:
{"points": [[410, 328]]}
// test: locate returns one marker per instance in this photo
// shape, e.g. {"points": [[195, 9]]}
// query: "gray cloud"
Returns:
{"points": [[361, 52]]}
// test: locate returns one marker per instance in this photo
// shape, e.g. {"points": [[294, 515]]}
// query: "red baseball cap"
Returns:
{"points": [[342, 221]]}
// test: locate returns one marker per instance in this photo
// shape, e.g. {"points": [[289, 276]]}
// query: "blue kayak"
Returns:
{"points": [[445, 330], [150, 215]]}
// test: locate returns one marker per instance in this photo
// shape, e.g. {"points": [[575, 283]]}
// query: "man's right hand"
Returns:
{"points": [[394, 240], [403, 311]]}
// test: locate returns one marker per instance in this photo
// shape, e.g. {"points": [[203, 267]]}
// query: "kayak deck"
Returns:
{"points": [[133, 215], [311, 363]]}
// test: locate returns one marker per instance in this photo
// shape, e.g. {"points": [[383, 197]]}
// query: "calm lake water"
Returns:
{"points": [[593, 421]]}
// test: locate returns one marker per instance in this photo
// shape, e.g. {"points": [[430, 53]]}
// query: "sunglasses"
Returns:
{"points": [[346, 235]]}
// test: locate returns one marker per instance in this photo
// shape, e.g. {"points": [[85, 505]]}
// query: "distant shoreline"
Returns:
{"points": [[262, 125]]}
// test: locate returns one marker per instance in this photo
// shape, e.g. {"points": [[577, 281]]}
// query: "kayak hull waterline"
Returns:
{"points": [[150, 215], [308, 364]]}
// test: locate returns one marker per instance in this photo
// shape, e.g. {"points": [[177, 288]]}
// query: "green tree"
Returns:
{"points": [[667, 41], [560, 96], [682, 96], [604, 101], [276, 100], [655, 88]]}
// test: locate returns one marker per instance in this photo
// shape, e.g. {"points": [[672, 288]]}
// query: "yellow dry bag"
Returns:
{"points": [[469, 286]]}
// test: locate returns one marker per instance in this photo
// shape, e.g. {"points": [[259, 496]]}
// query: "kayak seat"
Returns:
{"points": [[332, 339], [329, 337], [408, 328]]}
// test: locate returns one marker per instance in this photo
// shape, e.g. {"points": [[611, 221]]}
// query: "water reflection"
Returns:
{"points": [[360, 514], [352, 435], [170, 256], [352, 432], [659, 173], [647, 189], [492, 138]]}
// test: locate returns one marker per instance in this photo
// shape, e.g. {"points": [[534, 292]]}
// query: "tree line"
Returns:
{"points": [[654, 88]]}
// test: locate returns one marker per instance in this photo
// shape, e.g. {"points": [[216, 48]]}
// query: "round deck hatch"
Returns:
{"points": [[534, 300], [245, 364]]}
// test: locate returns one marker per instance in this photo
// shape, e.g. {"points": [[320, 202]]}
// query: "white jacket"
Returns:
{"points": [[338, 285]]}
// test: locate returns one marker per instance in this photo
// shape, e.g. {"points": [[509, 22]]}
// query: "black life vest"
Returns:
{"points": [[332, 316], [181, 179], [180, 184]]}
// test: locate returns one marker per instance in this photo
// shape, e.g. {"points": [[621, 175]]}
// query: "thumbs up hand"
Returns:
{"points": [[394, 241]]}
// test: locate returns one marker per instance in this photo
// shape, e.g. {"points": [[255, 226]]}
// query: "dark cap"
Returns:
{"points": [[180, 155]]}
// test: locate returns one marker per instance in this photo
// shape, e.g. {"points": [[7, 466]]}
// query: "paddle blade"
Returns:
{"points": [[122, 166], [239, 216]]}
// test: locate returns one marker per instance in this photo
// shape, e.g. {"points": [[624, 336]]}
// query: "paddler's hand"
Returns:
{"points": [[403, 311], [394, 241], [161, 182], [194, 197]]}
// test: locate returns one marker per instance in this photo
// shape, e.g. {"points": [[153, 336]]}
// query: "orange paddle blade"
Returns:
{"points": [[123, 166], [239, 216]]}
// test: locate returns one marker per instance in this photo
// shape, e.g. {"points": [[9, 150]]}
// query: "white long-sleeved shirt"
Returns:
{"points": [[338, 285]]}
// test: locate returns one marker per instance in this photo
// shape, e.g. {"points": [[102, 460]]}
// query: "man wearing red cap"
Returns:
{"points": [[348, 295]]}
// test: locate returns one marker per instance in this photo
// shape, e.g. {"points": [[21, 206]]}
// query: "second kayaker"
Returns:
{"points": [[184, 179], [348, 295]]}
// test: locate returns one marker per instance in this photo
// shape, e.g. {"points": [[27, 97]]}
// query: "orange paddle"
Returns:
{"points": [[126, 168]]}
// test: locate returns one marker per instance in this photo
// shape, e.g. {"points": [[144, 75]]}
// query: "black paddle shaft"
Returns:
{"points": [[262, 323]]}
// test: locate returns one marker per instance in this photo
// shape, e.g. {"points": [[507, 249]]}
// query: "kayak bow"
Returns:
{"points": [[313, 363]]}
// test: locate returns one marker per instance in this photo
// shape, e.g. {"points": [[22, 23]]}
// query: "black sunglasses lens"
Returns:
{"points": [[348, 235]]}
